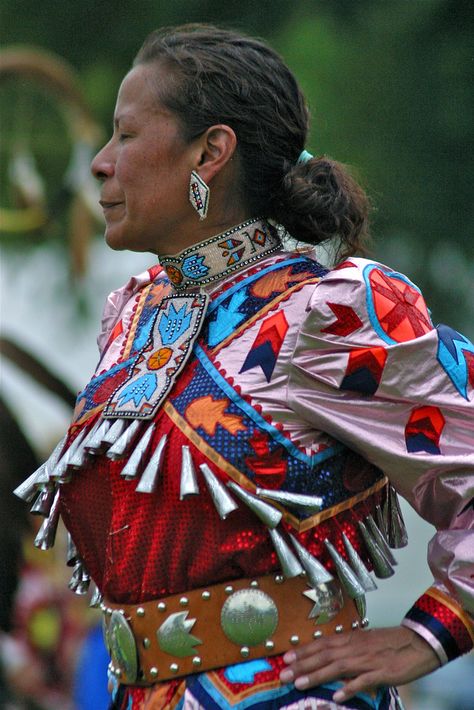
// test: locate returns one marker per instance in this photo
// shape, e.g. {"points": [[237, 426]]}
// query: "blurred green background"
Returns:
{"points": [[390, 89]]}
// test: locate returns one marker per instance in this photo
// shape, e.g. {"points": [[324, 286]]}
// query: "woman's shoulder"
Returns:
{"points": [[361, 291]]}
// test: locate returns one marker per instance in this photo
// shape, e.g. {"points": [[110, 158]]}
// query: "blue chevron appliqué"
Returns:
{"points": [[452, 347], [262, 355], [227, 319]]}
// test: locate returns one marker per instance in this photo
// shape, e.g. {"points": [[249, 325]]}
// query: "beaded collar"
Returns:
{"points": [[221, 255]]}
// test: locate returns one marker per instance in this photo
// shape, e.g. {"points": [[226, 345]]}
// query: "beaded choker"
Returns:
{"points": [[221, 255]]}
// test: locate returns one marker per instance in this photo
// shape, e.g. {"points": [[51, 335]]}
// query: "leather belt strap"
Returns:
{"points": [[220, 625]]}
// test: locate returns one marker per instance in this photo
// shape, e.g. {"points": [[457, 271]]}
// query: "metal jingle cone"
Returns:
{"points": [[114, 432], [44, 501], [46, 536], [135, 461], [149, 477], [347, 577], [119, 449], [96, 598], [56, 454], [189, 484], [94, 444], [269, 515], [72, 555], [84, 582], [361, 606], [76, 577], [60, 472], [28, 489], [370, 522], [223, 501], [379, 518], [82, 588], [311, 504], [382, 567], [396, 530], [358, 566], [289, 563], [78, 458], [315, 571]]}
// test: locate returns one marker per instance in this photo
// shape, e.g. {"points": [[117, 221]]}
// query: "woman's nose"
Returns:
{"points": [[103, 165]]}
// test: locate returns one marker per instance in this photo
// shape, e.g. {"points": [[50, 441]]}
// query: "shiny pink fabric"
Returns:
{"points": [[440, 487]]}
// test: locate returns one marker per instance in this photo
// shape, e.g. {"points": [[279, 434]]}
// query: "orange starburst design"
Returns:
{"points": [[174, 274], [159, 358]]}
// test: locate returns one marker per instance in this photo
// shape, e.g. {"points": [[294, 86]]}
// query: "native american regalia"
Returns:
{"points": [[252, 417]]}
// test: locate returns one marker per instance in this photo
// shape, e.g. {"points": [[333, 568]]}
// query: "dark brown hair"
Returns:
{"points": [[220, 76]]}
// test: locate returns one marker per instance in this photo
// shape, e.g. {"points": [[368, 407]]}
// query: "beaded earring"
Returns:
{"points": [[199, 194]]}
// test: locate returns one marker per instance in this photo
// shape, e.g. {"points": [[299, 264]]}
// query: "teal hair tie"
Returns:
{"points": [[305, 155]]}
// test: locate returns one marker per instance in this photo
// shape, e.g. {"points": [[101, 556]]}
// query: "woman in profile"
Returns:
{"points": [[230, 477]]}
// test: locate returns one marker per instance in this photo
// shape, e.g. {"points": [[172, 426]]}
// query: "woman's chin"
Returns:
{"points": [[116, 239]]}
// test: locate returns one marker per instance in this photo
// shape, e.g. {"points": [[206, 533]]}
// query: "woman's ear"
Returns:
{"points": [[217, 146]]}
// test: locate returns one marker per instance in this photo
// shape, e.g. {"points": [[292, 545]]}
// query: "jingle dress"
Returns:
{"points": [[276, 375]]}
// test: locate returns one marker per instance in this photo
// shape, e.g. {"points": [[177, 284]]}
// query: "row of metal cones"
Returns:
{"points": [[121, 438]]}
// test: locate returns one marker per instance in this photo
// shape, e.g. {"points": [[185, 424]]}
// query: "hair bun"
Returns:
{"points": [[319, 200]]}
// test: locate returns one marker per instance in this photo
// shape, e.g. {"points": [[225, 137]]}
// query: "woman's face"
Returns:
{"points": [[144, 170]]}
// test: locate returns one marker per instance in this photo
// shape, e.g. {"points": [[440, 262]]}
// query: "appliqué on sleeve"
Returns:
{"points": [[396, 307], [424, 429], [442, 623], [364, 370], [456, 357], [347, 320]]}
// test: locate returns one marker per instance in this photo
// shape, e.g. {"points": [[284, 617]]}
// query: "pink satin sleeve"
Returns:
{"points": [[370, 369]]}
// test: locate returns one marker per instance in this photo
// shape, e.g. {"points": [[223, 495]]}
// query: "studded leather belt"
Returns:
{"points": [[221, 625]]}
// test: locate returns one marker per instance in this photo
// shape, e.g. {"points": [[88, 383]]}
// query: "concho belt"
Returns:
{"points": [[221, 625]]}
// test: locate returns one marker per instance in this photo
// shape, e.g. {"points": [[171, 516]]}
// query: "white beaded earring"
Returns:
{"points": [[199, 194]]}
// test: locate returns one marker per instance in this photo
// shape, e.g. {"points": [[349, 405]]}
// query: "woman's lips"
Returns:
{"points": [[109, 204]]}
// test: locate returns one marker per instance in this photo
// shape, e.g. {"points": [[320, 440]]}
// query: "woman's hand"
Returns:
{"points": [[362, 659]]}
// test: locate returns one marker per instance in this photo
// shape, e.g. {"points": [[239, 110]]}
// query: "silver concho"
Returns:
{"points": [[249, 617], [122, 646], [328, 601]]}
